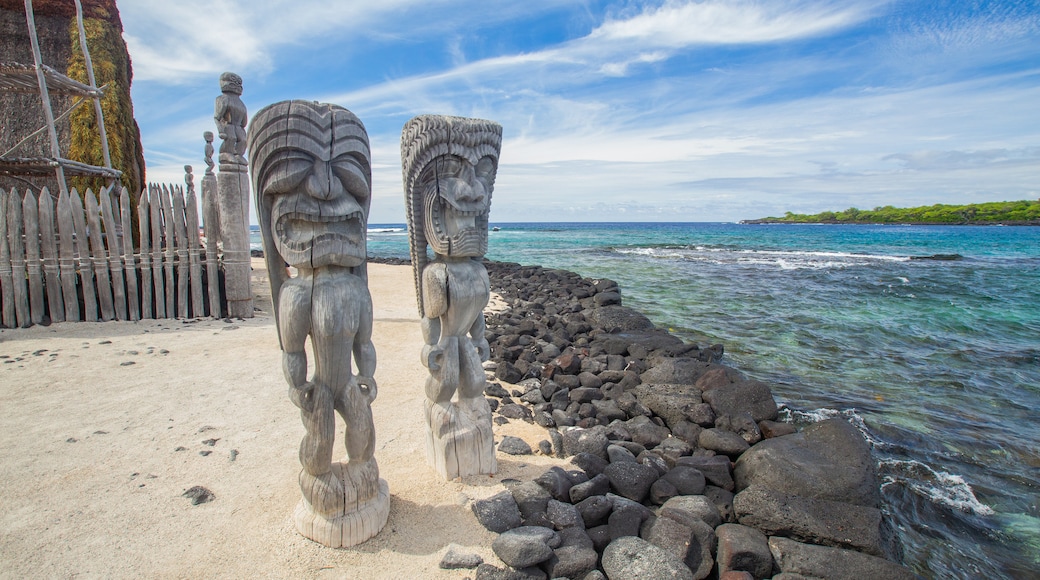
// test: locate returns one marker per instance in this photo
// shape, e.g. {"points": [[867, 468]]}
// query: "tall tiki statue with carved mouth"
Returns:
{"points": [[449, 166], [312, 176]]}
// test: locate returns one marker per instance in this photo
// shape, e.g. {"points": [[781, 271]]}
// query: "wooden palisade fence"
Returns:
{"points": [[61, 260]]}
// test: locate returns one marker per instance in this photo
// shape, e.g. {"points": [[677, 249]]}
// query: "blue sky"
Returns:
{"points": [[671, 110]]}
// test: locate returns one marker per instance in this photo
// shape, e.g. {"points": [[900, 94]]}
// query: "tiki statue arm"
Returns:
{"points": [[294, 324], [365, 354], [435, 304]]}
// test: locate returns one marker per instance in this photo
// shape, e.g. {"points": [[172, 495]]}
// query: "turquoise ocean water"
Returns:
{"points": [[936, 360]]}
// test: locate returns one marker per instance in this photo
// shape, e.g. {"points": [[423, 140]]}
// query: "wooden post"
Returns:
{"points": [[14, 236], [115, 264], [155, 210], [67, 257], [8, 317], [146, 258], [86, 262], [33, 266], [211, 215], [49, 247], [129, 263], [100, 257], [191, 217], [170, 253], [180, 238]]}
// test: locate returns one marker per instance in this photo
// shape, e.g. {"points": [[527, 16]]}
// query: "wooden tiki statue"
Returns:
{"points": [[311, 171], [449, 166]]}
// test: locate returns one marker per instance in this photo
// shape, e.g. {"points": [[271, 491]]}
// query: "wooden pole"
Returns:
{"points": [[86, 261], [45, 96], [146, 258], [115, 264], [100, 257], [33, 266], [191, 217], [129, 263], [49, 247], [155, 210], [170, 253], [14, 236], [8, 316], [180, 236], [211, 225], [67, 257]]}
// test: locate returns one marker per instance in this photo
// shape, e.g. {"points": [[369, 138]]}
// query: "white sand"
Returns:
{"points": [[91, 478]]}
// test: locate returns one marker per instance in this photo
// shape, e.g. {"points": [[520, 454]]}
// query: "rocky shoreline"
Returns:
{"points": [[678, 465]]}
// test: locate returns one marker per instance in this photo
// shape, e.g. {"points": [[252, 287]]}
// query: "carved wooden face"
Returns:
{"points": [[458, 200], [311, 168]]}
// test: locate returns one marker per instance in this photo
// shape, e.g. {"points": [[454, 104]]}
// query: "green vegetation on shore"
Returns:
{"points": [[992, 213]]}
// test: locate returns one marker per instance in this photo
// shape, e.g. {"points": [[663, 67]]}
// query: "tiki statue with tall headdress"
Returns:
{"points": [[312, 176], [449, 166]]}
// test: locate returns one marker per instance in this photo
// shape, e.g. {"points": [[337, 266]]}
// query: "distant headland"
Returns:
{"points": [[1007, 213]]}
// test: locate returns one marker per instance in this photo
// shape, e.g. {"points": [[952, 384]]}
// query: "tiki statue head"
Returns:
{"points": [[312, 178], [231, 83]]}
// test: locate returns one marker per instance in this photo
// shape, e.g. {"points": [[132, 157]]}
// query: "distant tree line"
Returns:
{"points": [[997, 212]]}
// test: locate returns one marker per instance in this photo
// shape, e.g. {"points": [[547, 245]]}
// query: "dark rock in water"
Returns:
{"points": [[525, 546], [675, 371], [939, 257], [489, 572], [743, 548], [497, 513], [607, 298], [692, 545], [632, 557], [198, 494], [514, 446], [630, 479], [725, 442], [832, 563], [813, 520], [456, 559], [687, 509], [827, 460], [752, 397]]}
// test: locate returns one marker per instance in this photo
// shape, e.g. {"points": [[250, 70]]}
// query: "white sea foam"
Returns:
{"points": [[936, 486], [816, 415]]}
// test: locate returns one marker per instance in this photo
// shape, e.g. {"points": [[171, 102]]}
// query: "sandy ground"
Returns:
{"points": [[104, 427]]}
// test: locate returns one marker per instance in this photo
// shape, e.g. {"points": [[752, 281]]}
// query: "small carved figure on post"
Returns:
{"points": [[312, 176], [231, 116], [208, 136], [449, 166]]}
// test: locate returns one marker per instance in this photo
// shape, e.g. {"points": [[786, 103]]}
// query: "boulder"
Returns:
{"points": [[687, 509], [742, 397], [563, 515], [557, 482], [593, 441], [525, 546], [646, 432], [832, 563], [532, 501], [617, 318], [827, 460], [497, 513], [692, 545], [687, 480], [631, 557], [514, 446], [721, 441], [575, 558], [813, 520], [597, 486], [489, 572], [743, 548], [591, 464], [668, 401], [716, 469], [676, 371], [595, 510], [630, 479], [456, 559]]}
